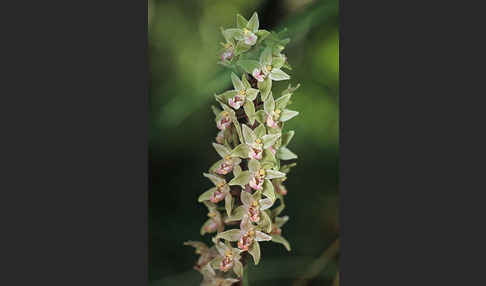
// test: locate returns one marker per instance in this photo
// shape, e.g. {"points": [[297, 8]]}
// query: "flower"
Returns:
{"points": [[220, 137], [247, 236], [276, 112], [259, 172], [215, 221], [206, 254], [249, 37], [218, 193], [224, 120], [228, 53], [241, 94], [254, 206], [228, 258], [211, 279], [258, 74], [227, 163]]}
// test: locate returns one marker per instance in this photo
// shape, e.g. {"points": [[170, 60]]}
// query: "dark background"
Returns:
{"points": [[183, 75]]}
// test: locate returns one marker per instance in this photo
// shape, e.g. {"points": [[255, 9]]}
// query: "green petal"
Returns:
{"points": [[228, 203], [237, 214], [248, 134], [238, 268], [290, 89], [266, 57], [265, 88], [261, 116], [230, 235], [260, 130], [262, 35], [255, 252], [272, 174], [254, 166], [242, 179], [286, 137], [278, 62], [206, 195], [251, 93], [269, 104], [266, 222], [282, 101], [285, 154], [233, 34], [250, 111], [268, 190], [288, 114], [238, 85], [236, 170], [241, 151], [278, 74], [281, 240], [241, 22], [268, 157], [222, 150], [248, 65], [215, 179], [253, 23], [269, 140], [246, 83]]}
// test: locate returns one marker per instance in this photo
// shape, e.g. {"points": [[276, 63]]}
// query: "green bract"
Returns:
{"points": [[248, 172]]}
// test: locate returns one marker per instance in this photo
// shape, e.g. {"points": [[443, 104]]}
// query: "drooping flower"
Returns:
{"points": [[276, 112], [206, 254], [227, 163], [254, 206], [220, 137], [259, 173], [215, 221], [223, 121], [242, 95], [256, 141], [210, 278], [270, 65], [218, 193], [247, 237], [228, 258]]}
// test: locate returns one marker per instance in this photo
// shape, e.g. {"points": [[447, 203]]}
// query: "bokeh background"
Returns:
{"points": [[183, 40]]}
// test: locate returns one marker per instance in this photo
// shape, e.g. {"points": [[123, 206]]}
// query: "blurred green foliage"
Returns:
{"points": [[184, 39]]}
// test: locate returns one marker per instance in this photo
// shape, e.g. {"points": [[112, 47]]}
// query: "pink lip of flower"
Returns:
{"points": [[211, 227], [227, 55], [236, 102], [256, 183], [250, 39], [258, 75], [255, 153], [224, 123], [270, 122], [217, 196], [225, 168], [226, 264]]}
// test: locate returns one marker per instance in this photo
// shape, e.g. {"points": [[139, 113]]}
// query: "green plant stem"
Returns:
{"points": [[245, 277]]}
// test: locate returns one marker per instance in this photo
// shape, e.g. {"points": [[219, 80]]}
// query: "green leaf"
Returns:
{"points": [[230, 235], [280, 239], [288, 114], [248, 134], [238, 85], [254, 250], [282, 101], [206, 195], [250, 111], [286, 137], [261, 116], [269, 140], [241, 151], [241, 22], [253, 23], [248, 65], [285, 154], [268, 190], [266, 57], [278, 74], [242, 179], [269, 104], [265, 88], [221, 149]]}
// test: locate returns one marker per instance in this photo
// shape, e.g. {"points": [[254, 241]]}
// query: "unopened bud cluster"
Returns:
{"points": [[247, 199]]}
